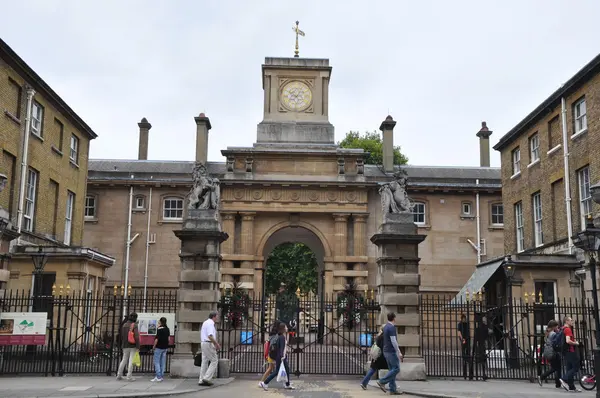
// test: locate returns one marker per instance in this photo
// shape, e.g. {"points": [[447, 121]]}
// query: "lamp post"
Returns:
{"points": [[509, 271], [588, 240]]}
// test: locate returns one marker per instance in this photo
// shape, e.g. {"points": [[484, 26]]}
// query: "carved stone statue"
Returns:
{"points": [[206, 192], [393, 195]]}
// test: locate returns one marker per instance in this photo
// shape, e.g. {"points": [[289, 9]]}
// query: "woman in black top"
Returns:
{"points": [[270, 362], [161, 344], [376, 364]]}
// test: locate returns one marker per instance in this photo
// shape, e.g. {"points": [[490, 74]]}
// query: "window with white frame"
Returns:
{"points": [[173, 209], [497, 214], [466, 208], [580, 116], [37, 118], [585, 195], [516, 161], [519, 227], [90, 206], [74, 153], [140, 202], [419, 213], [534, 148], [30, 199], [69, 217], [538, 234]]}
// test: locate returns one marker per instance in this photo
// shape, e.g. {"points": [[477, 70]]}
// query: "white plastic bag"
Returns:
{"points": [[282, 374]]}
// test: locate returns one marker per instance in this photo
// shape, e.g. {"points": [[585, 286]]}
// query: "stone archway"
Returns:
{"points": [[298, 232]]}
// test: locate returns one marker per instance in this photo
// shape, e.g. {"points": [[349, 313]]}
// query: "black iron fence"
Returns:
{"points": [[328, 335], [82, 332], [501, 342]]}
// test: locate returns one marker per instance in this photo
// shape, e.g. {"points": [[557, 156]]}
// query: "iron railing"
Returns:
{"points": [[327, 335], [505, 341], [82, 333]]}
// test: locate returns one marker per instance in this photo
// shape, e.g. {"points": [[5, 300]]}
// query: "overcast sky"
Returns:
{"points": [[438, 67]]}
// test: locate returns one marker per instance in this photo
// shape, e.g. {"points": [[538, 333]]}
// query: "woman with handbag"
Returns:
{"points": [[270, 361], [130, 342], [377, 363]]}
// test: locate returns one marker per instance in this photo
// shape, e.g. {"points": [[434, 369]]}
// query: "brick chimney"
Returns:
{"points": [[202, 127], [484, 145], [387, 128], [143, 145]]}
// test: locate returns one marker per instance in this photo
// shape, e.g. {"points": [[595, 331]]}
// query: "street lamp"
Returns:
{"points": [[588, 240], [509, 271]]}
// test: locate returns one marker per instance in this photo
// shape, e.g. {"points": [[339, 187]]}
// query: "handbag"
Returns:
{"points": [[137, 361], [282, 374], [131, 335], [198, 359]]}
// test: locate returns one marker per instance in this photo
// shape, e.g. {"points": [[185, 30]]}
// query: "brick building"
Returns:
{"points": [[43, 163], [290, 190], [549, 162]]}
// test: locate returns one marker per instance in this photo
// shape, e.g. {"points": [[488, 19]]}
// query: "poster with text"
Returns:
{"points": [[148, 326], [23, 328]]}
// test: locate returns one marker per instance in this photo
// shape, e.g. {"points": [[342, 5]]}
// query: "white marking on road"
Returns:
{"points": [[76, 388]]}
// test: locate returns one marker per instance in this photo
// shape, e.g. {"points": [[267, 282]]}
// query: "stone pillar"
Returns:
{"points": [[199, 280], [228, 220], [247, 233], [398, 287], [145, 127], [484, 145], [360, 234], [341, 232], [202, 127], [387, 129]]}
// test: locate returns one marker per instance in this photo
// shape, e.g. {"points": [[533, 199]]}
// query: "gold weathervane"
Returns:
{"points": [[298, 32]]}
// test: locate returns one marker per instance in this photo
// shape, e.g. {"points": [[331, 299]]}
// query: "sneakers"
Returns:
{"points": [[381, 386], [119, 377], [263, 386], [539, 380], [289, 387], [129, 378], [156, 379], [564, 385], [363, 386]]}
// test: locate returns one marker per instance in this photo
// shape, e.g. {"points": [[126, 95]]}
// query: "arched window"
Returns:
{"points": [[419, 212], [172, 208]]}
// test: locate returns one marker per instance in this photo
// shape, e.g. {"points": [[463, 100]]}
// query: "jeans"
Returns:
{"points": [[276, 371], [128, 354], [394, 368], [160, 362], [572, 365], [368, 377], [555, 367]]}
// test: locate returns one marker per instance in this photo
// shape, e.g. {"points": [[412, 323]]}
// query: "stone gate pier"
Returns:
{"points": [[398, 279], [199, 278]]}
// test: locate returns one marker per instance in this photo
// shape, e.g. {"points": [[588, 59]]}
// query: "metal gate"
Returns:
{"points": [[82, 331], [327, 335]]}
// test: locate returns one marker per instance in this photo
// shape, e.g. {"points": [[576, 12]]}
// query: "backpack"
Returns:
{"points": [[375, 351], [273, 346], [559, 341], [549, 351]]}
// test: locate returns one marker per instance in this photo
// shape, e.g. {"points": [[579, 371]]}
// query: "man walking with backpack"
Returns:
{"points": [[570, 353], [392, 355], [552, 354]]}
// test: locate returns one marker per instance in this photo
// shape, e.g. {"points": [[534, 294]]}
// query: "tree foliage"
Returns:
{"points": [[293, 264], [371, 142]]}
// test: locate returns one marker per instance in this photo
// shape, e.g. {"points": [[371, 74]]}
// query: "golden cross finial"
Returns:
{"points": [[298, 32]]}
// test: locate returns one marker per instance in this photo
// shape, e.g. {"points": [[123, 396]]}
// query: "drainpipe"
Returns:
{"points": [[147, 246], [24, 158], [128, 248], [563, 103], [478, 224]]}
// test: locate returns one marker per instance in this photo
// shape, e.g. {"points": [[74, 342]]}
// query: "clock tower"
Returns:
{"points": [[296, 103]]}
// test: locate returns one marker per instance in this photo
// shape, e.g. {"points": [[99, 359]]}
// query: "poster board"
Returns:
{"points": [[23, 328], [148, 325]]}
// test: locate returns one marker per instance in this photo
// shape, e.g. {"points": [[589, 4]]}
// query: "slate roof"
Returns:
{"points": [[180, 171]]}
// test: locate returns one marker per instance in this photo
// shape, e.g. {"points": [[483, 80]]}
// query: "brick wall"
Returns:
{"points": [[51, 164], [547, 176]]}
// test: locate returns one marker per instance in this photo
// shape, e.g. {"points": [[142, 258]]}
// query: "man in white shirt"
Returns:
{"points": [[209, 347]]}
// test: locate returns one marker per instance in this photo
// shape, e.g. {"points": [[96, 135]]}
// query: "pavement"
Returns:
{"points": [[99, 387], [246, 387]]}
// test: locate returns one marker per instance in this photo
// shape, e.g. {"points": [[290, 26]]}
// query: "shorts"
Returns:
{"points": [[270, 360]]}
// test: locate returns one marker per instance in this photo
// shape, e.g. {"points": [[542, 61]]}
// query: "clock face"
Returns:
{"points": [[296, 96]]}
